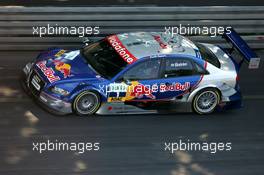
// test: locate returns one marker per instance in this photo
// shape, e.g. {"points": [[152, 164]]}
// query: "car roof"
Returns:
{"points": [[143, 44]]}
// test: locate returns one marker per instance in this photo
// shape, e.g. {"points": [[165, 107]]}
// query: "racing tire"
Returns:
{"points": [[86, 103], [206, 101]]}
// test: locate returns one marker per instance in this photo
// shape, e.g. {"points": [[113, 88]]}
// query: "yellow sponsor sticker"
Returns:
{"points": [[58, 54], [116, 99]]}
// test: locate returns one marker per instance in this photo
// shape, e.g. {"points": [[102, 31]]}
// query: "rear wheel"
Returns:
{"points": [[86, 103], [206, 101]]}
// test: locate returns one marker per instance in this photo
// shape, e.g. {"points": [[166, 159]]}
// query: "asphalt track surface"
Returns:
{"points": [[129, 145]]}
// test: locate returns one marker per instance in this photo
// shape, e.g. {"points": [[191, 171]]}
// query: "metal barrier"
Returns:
{"points": [[16, 23]]}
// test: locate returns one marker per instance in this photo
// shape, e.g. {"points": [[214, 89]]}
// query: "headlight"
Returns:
{"points": [[27, 68], [59, 91]]}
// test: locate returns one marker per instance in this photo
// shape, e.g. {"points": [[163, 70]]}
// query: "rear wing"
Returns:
{"points": [[242, 47]]}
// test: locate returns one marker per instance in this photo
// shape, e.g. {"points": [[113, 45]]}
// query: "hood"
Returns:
{"points": [[64, 65]]}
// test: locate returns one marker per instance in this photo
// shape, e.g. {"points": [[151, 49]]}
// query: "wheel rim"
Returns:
{"points": [[87, 103], [206, 101]]}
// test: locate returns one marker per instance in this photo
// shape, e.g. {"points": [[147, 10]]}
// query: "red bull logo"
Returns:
{"points": [[64, 68], [48, 72], [175, 87], [133, 91], [139, 91]]}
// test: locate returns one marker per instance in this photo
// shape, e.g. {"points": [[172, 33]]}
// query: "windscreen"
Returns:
{"points": [[208, 55], [104, 59]]}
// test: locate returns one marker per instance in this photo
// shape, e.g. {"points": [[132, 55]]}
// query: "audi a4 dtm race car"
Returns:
{"points": [[142, 72]]}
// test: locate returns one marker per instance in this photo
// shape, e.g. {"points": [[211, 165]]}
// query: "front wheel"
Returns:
{"points": [[206, 101], [86, 103]]}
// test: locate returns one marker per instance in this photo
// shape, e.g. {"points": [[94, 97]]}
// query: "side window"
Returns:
{"points": [[199, 69], [175, 67], [145, 70]]}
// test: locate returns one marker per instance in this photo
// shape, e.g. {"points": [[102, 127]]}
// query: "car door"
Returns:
{"points": [[179, 76], [139, 83]]}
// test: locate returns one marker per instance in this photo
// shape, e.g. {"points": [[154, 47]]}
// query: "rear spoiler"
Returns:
{"points": [[238, 43]]}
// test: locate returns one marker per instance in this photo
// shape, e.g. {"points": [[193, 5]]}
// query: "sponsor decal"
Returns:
{"points": [[61, 52], [175, 87], [182, 64], [64, 68], [133, 91], [198, 55], [116, 99], [117, 87], [121, 49], [254, 63], [139, 91], [48, 72], [71, 55], [159, 40], [67, 55]]}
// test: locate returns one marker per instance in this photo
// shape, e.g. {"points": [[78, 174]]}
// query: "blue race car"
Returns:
{"points": [[137, 73]]}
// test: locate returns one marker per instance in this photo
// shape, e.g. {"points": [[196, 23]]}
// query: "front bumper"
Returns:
{"points": [[52, 104], [55, 104]]}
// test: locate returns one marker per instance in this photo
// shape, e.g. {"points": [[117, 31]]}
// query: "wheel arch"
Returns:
{"points": [[199, 89], [87, 88]]}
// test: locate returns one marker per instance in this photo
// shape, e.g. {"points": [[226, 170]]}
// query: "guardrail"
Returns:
{"points": [[16, 23]]}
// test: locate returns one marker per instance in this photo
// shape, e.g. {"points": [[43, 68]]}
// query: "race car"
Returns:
{"points": [[138, 73]]}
